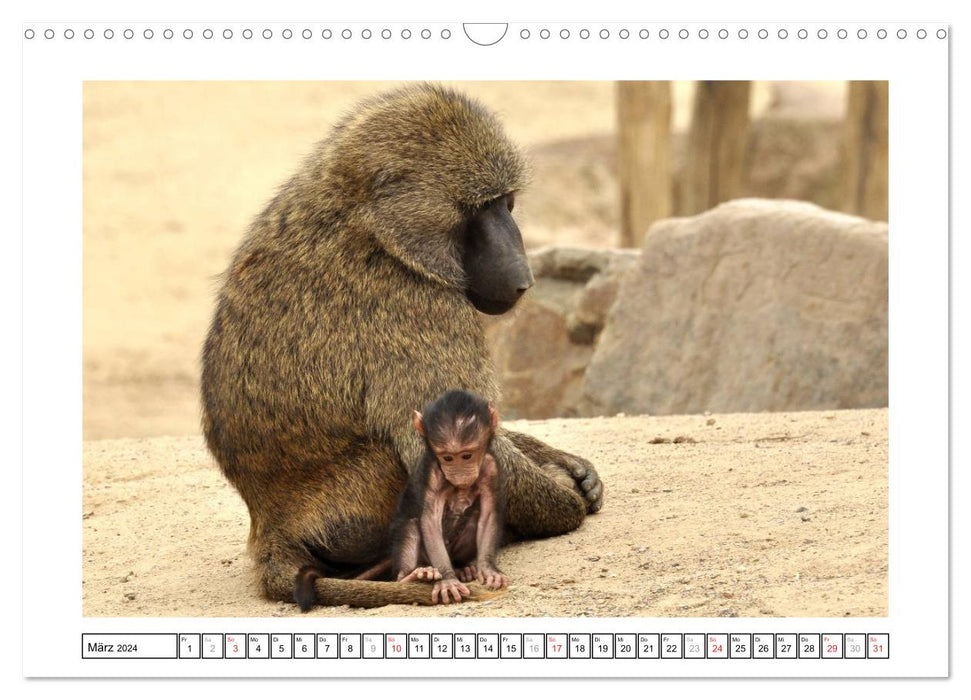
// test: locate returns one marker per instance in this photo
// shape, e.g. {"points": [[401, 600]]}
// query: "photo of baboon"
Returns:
{"points": [[665, 304]]}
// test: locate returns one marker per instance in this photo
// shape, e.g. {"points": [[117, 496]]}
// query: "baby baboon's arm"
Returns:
{"points": [[449, 588], [489, 529]]}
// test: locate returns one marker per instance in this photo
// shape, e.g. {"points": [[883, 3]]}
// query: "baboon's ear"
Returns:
{"points": [[493, 417], [418, 422]]}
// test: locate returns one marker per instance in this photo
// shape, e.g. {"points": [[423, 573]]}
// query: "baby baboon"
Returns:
{"points": [[451, 510], [354, 297]]}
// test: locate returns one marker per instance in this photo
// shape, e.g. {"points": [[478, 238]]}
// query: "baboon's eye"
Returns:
{"points": [[467, 456], [448, 458], [511, 201]]}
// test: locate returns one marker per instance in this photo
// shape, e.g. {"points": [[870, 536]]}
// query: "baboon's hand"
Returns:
{"points": [[448, 590], [587, 480], [492, 577]]}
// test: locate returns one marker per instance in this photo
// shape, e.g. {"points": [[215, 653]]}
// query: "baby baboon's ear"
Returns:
{"points": [[493, 417], [418, 422]]}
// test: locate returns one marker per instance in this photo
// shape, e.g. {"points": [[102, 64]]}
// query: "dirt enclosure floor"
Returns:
{"points": [[775, 514]]}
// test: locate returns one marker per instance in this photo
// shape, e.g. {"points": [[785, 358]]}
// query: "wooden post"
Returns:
{"points": [[865, 149], [644, 156], [716, 144]]}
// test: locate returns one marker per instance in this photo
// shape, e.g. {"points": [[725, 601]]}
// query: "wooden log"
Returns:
{"points": [[865, 149], [717, 142], [644, 148]]}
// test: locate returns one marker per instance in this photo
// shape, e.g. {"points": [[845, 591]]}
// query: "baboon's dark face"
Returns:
{"points": [[494, 259]]}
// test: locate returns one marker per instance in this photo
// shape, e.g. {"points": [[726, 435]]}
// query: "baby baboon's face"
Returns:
{"points": [[461, 462]]}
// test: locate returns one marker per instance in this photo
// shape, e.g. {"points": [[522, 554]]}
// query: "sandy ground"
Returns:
{"points": [[780, 514]]}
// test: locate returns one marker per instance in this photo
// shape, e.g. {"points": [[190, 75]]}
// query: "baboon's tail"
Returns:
{"points": [[304, 594], [311, 588]]}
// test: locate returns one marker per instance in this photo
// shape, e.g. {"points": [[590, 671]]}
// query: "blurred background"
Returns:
{"points": [[698, 246]]}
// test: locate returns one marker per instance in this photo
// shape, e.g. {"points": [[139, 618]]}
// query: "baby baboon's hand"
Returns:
{"points": [[449, 590], [422, 573], [493, 578], [467, 573]]}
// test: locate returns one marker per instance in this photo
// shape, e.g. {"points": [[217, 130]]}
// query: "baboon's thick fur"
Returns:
{"points": [[342, 310]]}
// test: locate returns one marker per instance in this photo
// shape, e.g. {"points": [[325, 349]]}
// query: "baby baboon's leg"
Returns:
{"points": [[536, 504], [375, 572], [582, 472]]}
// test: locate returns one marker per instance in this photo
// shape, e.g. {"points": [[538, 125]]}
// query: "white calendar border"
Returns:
{"points": [[918, 325]]}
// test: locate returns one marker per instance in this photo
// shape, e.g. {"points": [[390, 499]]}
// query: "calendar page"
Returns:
{"points": [[366, 347]]}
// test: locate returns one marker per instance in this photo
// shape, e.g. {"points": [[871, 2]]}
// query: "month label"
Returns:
{"points": [[129, 646]]}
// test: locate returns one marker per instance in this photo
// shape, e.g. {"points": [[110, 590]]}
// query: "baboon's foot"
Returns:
{"points": [[565, 468], [586, 478]]}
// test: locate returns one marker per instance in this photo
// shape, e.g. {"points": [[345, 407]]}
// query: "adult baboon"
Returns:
{"points": [[353, 300]]}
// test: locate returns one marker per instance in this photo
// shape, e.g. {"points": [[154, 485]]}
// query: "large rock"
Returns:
{"points": [[541, 350], [756, 305]]}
